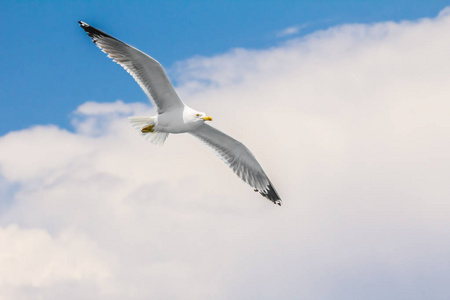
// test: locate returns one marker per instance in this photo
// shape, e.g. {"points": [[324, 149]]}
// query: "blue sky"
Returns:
{"points": [[50, 67]]}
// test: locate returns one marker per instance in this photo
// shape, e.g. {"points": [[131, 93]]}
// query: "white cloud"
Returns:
{"points": [[350, 124], [291, 30], [32, 259], [93, 108]]}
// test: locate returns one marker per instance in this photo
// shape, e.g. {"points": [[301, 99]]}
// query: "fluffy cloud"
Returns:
{"points": [[350, 124], [32, 260]]}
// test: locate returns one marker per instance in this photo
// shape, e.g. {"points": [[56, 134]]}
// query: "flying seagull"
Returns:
{"points": [[176, 117]]}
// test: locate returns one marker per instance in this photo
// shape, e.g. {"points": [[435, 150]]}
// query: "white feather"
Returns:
{"points": [[157, 138]]}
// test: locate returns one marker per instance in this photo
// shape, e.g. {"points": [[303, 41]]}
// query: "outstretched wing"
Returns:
{"points": [[147, 72], [239, 159]]}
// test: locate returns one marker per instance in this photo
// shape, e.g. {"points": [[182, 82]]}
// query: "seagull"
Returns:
{"points": [[176, 117]]}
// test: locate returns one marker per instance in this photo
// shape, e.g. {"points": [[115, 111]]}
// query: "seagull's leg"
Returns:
{"points": [[148, 128]]}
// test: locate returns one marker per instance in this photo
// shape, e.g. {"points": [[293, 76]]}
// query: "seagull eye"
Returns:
{"points": [[198, 115]]}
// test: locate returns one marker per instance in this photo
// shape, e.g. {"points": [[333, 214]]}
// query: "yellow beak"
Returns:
{"points": [[207, 118]]}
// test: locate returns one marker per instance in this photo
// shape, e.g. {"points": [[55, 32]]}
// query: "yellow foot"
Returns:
{"points": [[148, 128]]}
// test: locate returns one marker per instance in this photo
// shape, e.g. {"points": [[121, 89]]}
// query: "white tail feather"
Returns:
{"points": [[157, 138]]}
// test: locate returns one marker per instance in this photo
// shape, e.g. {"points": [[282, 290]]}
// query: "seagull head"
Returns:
{"points": [[201, 116], [192, 116]]}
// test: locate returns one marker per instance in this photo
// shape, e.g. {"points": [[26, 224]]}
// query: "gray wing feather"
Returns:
{"points": [[147, 72], [239, 158]]}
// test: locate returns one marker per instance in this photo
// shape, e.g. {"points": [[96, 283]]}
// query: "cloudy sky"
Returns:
{"points": [[346, 106]]}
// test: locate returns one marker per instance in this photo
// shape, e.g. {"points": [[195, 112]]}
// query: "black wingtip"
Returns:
{"points": [[93, 32], [271, 194], [84, 25]]}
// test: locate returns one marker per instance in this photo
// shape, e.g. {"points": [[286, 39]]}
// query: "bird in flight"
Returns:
{"points": [[176, 117]]}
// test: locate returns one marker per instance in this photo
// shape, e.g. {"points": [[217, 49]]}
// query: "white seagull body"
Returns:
{"points": [[176, 117]]}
